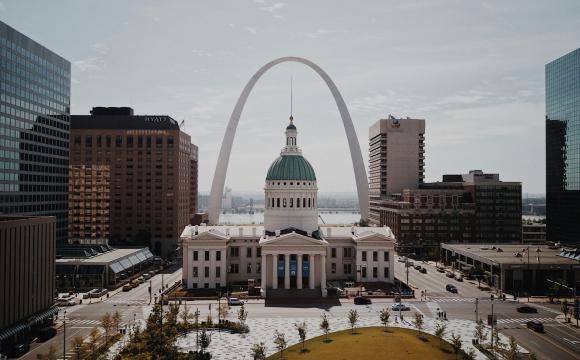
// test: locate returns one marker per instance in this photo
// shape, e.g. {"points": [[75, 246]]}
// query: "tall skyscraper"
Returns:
{"points": [[563, 147], [130, 178], [34, 129], [396, 160]]}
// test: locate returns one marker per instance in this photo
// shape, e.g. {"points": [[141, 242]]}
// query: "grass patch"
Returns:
{"points": [[372, 343]]}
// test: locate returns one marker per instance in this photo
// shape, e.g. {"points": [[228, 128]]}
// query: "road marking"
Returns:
{"points": [[574, 355], [573, 342]]}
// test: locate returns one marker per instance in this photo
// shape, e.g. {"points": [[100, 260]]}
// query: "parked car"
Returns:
{"points": [[66, 301], [535, 325], [146, 276], [46, 333], [417, 267], [459, 278], [400, 306], [423, 271], [440, 269], [127, 287], [361, 300], [402, 259], [19, 350], [527, 309], [450, 275], [451, 288], [235, 301]]}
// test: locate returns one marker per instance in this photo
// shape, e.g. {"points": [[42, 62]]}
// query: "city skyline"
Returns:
{"points": [[167, 66]]}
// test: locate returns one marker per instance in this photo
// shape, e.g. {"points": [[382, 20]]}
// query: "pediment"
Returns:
{"points": [[291, 239], [368, 236], [211, 234]]}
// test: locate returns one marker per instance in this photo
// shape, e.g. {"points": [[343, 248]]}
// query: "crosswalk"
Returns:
{"points": [[128, 301], [86, 322], [524, 320], [451, 299]]}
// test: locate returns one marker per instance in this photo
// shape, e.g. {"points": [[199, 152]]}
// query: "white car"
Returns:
{"points": [[66, 301], [399, 306], [235, 301]]}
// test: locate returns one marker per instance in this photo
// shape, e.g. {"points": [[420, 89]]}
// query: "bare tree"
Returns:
{"points": [[440, 329], [512, 349], [301, 327], [384, 315], [79, 347], [418, 322], [259, 351], [185, 316], [50, 355], [204, 340], [116, 320], [325, 326], [480, 332], [224, 311], [353, 319], [242, 316], [565, 310], [281, 342], [94, 338], [106, 324]]}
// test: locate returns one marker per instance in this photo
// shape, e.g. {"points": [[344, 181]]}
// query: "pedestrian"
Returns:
{"points": [[445, 315]]}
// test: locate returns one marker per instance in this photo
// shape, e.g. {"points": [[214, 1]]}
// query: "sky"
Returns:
{"points": [[473, 69]]}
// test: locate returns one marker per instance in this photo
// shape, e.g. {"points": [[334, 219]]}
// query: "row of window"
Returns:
{"points": [[129, 141], [291, 202], [375, 255]]}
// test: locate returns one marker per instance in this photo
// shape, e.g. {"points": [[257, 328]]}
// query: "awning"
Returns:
{"points": [[50, 312], [117, 267], [13, 330]]}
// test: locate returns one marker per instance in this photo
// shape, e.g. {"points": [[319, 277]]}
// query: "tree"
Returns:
{"points": [[477, 272], [242, 316], [79, 347], [512, 349], [224, 311], [281, 342], [301, 327], [480, 332], [259, 351], [384, 315], [353, 319], [106, 324], [532, 356], [50, 355], [440, 329], [418, 322], [469, 355], [325, 326], [456, 343], [565, 310], [204, 340], [185, 316], [496, 342], [116, 320], [94, 338]]}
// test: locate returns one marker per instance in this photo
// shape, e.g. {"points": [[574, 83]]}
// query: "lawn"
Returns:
{"points": [[371, 343]]}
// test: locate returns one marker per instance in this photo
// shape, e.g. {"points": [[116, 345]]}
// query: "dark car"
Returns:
{"points": [[451, 288], [361, 300], [527, 310], [46, 333], [535, 325], [423, 271], [417, 267], [19, 350]]}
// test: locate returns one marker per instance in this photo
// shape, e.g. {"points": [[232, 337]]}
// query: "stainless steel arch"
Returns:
{"points": [[219, 178]]}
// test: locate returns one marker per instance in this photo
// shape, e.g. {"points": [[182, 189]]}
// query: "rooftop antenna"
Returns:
{"points": [[291, 113]]}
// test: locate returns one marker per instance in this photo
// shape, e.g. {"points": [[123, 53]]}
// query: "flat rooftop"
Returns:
{"points": [[104, 258], [258, 230], [508, 253]]}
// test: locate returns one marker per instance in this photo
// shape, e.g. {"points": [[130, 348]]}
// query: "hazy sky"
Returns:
{"points": [[473, 69]]}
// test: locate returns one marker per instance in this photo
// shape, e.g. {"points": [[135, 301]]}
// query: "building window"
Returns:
{"points": [[309, 202], [333, 268], [297, 202], [206, 286], [277, 202], [195, 285], [364, 255], [364, 271], [218, 255], [386, 272], [118, 141], [206, 256], [218, 272], [195, 256], [249, 252], [375, 256], [291, 202], [375, 272], [259, 252], [347, 268], [386, 256], [346, 252], [234, 251], [284, 202], [195, 272], [333, 252], [206, 271], [249, 268], [258, 268], [234, 268]]}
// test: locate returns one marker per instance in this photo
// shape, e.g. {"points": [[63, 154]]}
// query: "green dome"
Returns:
{"points": [[291, 167]]}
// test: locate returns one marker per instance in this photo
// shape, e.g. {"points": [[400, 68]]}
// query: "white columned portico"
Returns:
{"points": [[323, 274], [264, 272], [287, 271], [299, 271], [312, 270], [274, 271]]}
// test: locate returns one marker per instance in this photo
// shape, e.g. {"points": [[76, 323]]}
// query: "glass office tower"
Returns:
{"points": [[34, 129], [563, 148]]}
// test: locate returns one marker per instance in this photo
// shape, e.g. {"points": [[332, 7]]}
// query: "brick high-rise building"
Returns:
{"points": [[130, 178], [396, 159], [193, 204]]}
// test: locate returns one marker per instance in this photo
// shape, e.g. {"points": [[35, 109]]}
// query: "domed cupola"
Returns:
{"points": [[291, 191]]}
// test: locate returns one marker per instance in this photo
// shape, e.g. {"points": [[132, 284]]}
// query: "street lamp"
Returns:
{"points": [[64, 336]]}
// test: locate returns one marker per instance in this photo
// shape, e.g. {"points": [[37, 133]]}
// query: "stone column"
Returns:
{"points": [[287, 271], [263, 270], [323, 272], [299, 271], [358, 266], [274, 271], [312, 269]]}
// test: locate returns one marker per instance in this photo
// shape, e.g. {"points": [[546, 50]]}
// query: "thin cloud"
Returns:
{"points": [[318, 33], [100, 48], [274, 7], [252, 30], [2, 7], [89, 64]]}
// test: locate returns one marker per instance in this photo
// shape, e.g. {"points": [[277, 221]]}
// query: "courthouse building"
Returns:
{"points": [[290, 251]]}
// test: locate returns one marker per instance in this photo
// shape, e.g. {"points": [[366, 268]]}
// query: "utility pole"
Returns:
{"points": [[407, 268], [196, 331], [492, 326], [64, 336], [476, 309]]}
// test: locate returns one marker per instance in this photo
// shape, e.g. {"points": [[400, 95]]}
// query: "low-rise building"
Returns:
{"points": [[533, 232], [515, 268]]}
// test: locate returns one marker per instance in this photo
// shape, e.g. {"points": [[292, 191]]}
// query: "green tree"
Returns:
{"points": [[281, 342], [478, 273], [50, 355], [469, 355], [456, 343], [565, 310], [418, 322], [512, 349], [94, 339], [79, 347], [325, 326], [301, 328], [107, 324], [204, 340], [480, 332], [384, 315], [440, 329], [353, 319], [259, 351]]}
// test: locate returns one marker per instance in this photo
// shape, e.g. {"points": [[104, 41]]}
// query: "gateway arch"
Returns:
{"points": [[219, 178]]}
